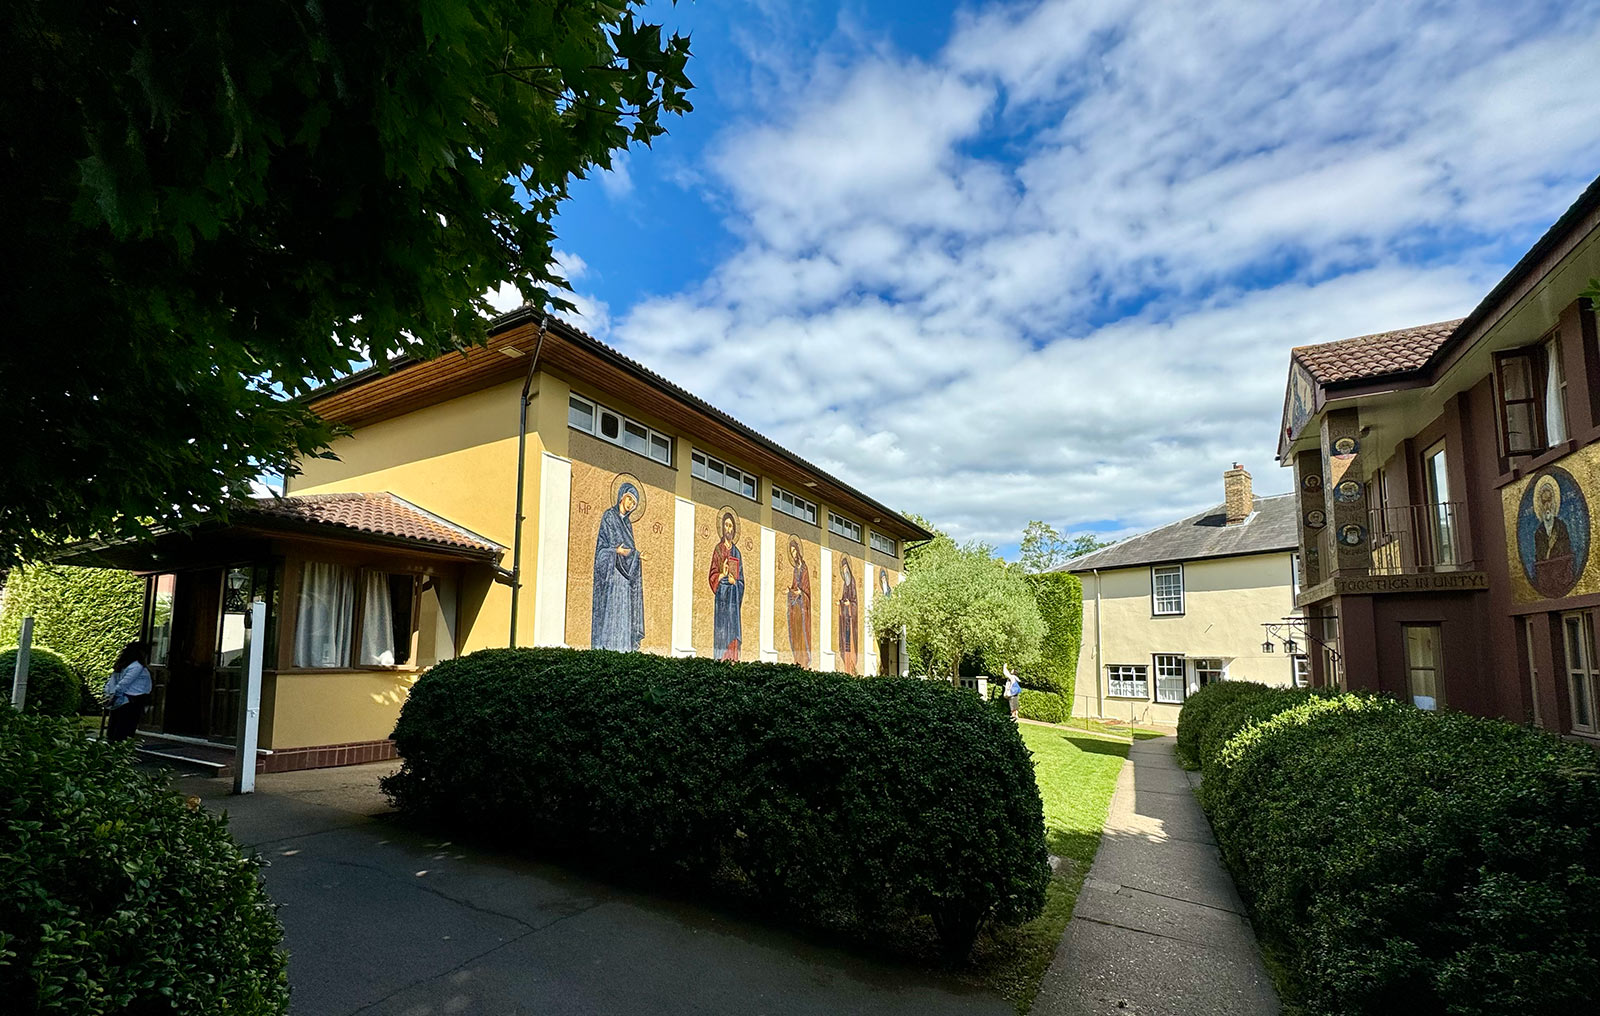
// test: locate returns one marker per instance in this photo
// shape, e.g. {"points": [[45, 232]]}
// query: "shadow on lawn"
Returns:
{"points": [[1095, 745]]}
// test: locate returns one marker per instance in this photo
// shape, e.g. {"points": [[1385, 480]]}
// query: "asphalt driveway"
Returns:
{"points": [[383, 919]]}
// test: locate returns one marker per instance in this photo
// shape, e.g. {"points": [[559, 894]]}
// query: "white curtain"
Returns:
{"points": [[377, 622], [1555, 414], [326, 612]]}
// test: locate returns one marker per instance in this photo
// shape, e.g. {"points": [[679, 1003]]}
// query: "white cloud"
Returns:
{"points": [[1056, 270], [617, 182]]}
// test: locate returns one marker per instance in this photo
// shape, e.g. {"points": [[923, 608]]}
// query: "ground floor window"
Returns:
{"points": [[1209, 671], [1127, 680], [334, 597], [1578, 634], [1528, 641], [1302, 670], [1422, 665], [1169, 677]]}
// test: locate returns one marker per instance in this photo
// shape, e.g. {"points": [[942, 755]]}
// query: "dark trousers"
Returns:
{"points": [[125, 718]]}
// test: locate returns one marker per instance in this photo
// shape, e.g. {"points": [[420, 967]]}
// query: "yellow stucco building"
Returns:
{"points": [[541, 490], [1196, 601]]}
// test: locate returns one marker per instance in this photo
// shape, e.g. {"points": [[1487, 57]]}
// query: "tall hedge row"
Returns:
{"points": [[1402, 861], [1059, 596], [839, 802], [86, 614], [116, 898]]}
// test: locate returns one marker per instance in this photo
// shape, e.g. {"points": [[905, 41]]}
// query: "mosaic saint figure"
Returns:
{"points": [[1552, 542], [847, 617], [799, 606], [727, 585], [617, 618], [883, 583]]}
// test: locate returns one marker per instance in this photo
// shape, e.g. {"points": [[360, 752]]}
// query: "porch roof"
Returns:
{"points": [[374, 518]]}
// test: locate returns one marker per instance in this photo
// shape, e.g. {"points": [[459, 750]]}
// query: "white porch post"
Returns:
{"points": [[19, 678], [244, 760]]}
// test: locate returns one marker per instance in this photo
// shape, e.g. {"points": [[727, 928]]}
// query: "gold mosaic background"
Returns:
{"points": [[1584, 465]]}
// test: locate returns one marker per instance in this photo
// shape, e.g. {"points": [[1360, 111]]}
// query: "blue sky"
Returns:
{"points": [[995, 262]]}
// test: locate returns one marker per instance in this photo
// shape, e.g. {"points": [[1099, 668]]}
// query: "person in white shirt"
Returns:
{"points": [[1013, 689], [128, 690]]}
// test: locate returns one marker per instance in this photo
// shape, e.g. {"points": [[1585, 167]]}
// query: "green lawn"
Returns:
{"points": [[1077, 774], [1096, 726]]}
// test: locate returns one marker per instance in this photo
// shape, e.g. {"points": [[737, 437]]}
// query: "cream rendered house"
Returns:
{"points": [[1179, 607]]}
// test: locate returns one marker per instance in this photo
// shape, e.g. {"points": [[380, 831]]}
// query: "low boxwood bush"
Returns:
{"points": [[1045, 706], [1397, 860], [115, 897], [836, 801], [54, 688], [1202, 707]]}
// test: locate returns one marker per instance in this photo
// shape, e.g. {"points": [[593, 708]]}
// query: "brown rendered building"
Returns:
{"points": [[1445, 476]]}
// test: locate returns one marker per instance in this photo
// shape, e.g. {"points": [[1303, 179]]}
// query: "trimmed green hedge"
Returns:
{"points": [[1397, 860], [839, 802], [87, 614], [54, 688], [1044, 706], [1059, 596], [1202, 708], [114, 896]]}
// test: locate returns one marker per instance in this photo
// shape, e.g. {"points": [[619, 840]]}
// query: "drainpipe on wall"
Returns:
{"points": [[522, 465], [1099, 692]]}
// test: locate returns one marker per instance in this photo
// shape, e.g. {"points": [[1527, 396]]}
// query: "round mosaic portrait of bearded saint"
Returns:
{"points": [[1553, 532]]}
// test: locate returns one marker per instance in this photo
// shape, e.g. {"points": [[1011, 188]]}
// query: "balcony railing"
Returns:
{"points": [[1400, 540]]}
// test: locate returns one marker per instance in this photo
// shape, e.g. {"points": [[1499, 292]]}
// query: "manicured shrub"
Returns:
{"points": [[1045, 706], [54, 688], [87, 614], [1405, 861], [1059, 596], [117, 898], [1203, 706], [837, 801]]}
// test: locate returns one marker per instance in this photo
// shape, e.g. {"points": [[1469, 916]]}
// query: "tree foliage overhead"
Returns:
{"points": [[213, 205], [962, 601], [1043, 547]]}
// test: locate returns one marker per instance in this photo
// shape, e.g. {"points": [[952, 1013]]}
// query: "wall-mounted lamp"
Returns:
{"points": [[1266, 647]]}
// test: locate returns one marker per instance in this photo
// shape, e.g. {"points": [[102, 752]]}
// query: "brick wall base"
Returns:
{"points": [[323, 756]]}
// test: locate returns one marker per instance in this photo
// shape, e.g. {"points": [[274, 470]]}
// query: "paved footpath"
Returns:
{"points": [[1158, 928], [383, 920]]}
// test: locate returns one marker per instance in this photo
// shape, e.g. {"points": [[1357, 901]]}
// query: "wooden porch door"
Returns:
{"points": [[187, 696]]}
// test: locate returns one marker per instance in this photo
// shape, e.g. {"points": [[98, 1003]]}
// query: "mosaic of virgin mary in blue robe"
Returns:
{"points": [[617, 618]]}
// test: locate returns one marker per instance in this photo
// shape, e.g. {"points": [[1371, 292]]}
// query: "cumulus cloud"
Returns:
{"points": [[1055, 270]]}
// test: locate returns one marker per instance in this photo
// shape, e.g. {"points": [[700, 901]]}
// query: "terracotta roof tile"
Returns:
{"points": [[1374, 356], [381, 514]]}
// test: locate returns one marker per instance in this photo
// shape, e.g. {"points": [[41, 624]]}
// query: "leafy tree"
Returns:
{"points": [[962, 601], [1085, 543], [913, 554], [212, 206]]}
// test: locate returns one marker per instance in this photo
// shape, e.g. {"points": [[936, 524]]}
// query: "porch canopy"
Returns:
{"points": [[363, 592]]}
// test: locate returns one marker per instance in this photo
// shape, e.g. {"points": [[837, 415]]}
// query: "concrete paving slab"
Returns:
{"points": [[1158, 929], [1122, 972]]}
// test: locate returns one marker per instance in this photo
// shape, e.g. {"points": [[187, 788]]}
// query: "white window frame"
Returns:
{"points": [[1580, 668], [1156, 597], [1528, 637], [1168, 667], [841, 526], [794, 505], [883, 545], [1122, 678], [700, 467], [1300, 670], [654, 440], [1200, 663]]}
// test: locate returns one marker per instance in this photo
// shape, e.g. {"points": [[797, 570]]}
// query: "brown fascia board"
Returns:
{"points": [[529, 316]]}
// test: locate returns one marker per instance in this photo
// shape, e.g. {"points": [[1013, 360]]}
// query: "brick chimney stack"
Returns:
{"points": [[1238, 499]]}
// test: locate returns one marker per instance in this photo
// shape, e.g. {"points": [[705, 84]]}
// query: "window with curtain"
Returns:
{"points": [[326, 615], [1555, 395], [386, 612]]}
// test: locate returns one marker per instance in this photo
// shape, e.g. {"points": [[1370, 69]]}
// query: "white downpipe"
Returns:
{"points": [[1099, 668]]}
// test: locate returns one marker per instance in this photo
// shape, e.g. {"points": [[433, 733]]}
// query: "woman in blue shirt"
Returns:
{"points": [[128, 690]]}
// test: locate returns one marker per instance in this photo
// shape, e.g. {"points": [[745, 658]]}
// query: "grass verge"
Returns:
{"points": [[1077, 775]]}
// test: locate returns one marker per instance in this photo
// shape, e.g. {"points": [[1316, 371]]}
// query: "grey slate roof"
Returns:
{"points": [[1275, 526]]}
